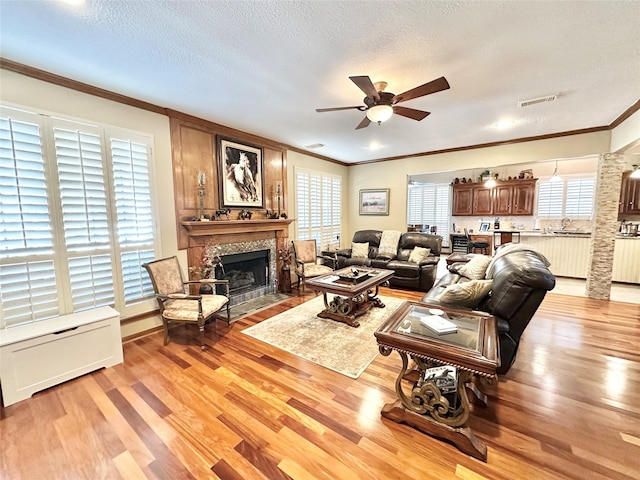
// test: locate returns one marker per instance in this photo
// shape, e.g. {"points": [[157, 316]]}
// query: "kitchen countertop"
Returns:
{"points": [[565, 233]]}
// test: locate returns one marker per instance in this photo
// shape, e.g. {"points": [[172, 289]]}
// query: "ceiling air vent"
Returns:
{"points": [[533, 101]]}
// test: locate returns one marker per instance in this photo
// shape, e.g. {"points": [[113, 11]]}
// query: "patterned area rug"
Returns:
{"points": [[334, 345]]}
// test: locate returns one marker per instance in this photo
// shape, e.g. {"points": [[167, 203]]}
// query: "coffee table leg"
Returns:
{"points": [[427, 410]]}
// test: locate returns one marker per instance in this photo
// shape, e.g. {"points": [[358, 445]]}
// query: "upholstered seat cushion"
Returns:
{"points": [[187, 310], [314, 270]]}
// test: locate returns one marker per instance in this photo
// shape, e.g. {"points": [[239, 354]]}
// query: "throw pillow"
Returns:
{"points": [[360, 250], [475, 268], [389, 244], [419, 254], [466, 294]]}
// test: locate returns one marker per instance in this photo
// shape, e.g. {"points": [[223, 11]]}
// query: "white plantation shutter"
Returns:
{"points": [[76, 218], [572, 197], [83, 200], [580, 197], [28, 288], [550, 196], [430, 204], [318, 204], [132, 189]]}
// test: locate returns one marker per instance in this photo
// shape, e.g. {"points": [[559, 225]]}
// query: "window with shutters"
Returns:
{"points": [[76, 218], [572, 197], [430, 204], [318, 205]]}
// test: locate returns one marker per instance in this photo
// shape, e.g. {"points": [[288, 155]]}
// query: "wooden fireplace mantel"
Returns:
{"points": [[225, 227]]}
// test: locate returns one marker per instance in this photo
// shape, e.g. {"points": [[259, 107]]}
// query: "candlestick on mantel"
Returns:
{"points": [[202, 180], [278, 194]]}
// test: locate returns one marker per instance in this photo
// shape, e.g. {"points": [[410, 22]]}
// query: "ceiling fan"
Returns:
{"points": [[380, 105]]}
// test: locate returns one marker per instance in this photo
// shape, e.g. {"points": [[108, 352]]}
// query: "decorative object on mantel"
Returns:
{"points": [[284, 277], [220, 213], [202, 180], [245, 215]]}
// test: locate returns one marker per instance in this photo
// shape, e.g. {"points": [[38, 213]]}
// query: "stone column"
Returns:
{"points": [[604, 225]]}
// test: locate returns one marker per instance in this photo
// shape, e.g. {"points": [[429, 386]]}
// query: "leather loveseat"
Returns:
{"points": [[409, 275], [521, 279]]}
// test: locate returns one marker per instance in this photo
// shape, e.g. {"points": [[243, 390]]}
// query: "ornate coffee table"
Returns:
{"points": [[353, 294], [433, 405]]}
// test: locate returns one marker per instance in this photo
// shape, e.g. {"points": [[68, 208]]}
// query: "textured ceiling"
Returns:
{"points": [[264, 67]]}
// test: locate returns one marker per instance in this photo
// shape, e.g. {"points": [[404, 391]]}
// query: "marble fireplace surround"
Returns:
{"points": [[230, 237]]}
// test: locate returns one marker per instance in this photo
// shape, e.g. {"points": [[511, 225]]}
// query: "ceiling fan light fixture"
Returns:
{"points": [[636, 172], [379, 113]]}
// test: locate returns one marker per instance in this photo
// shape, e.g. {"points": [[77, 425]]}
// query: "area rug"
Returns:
{"points": [[334, 345]]}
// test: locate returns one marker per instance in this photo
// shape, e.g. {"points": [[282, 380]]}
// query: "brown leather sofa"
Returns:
{"points": [[521, 279], [414, 276]]}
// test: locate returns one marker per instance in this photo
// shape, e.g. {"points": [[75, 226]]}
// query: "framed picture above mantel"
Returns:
{"points": [[241, 174]]}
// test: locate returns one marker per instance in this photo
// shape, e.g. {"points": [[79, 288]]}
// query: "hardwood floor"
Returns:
{"points": [[568, 408]]}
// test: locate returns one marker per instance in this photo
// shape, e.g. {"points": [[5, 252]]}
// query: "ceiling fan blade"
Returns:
{"points": [[337, 108], [365, 84], [364, 123], [411, 113], [433, 86]]}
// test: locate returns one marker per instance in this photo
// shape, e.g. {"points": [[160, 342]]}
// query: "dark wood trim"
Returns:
{"points": [[486, 145], [626, 114], [78, 86], [140, 316], [116, 97], [316, 155], [144, 333]]}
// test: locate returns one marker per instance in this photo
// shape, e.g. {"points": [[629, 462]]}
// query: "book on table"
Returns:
{"points": [[438, 324], [444, 377]]}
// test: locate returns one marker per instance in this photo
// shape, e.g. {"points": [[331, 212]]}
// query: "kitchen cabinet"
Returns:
{"points": [[514, 197], [462, 204], [629, 195]]}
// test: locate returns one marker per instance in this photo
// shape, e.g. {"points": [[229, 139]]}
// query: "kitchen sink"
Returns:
{"points": [[571, 232]]}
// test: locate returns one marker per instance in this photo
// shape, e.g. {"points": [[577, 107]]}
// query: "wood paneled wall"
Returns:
{"points": [[195, 149]]}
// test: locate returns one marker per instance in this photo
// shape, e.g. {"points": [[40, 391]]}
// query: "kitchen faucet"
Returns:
{"points": [[564, 222]]}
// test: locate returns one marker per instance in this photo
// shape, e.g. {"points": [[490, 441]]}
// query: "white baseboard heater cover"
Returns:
{"points": [[40, 355]]}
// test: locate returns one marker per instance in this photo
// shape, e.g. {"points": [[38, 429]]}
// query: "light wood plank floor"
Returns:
{"points": [[569, 408]]}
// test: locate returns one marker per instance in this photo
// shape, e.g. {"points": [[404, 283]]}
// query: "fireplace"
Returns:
{"points": [[245, 271], [250, 268], [230, 237]]}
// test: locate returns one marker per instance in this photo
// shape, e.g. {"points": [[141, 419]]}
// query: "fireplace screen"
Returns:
{"points": [[245, 271]]}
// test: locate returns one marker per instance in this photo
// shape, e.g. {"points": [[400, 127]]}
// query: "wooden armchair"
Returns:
{"points": [[306, 258], [176, 304]]}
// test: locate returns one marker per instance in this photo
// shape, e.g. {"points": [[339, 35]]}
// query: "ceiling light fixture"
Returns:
{"points": [[555, 177], [636, 172], [379, 113]]}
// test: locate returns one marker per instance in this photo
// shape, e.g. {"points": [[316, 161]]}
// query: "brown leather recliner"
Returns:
{"points": [[407, 274], [521, 280]]}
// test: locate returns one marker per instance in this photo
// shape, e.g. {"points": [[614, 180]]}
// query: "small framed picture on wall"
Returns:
{"points": [[374, 201]]}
